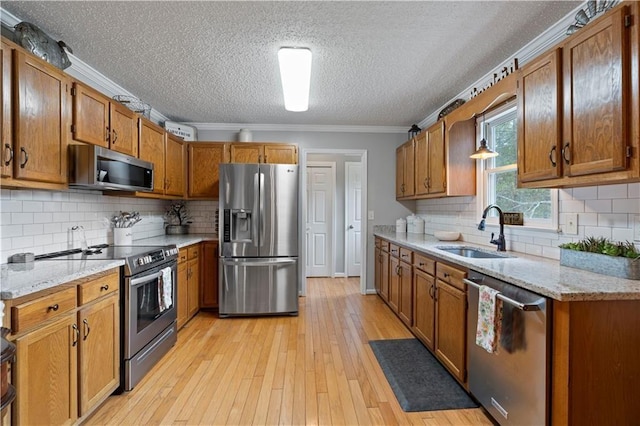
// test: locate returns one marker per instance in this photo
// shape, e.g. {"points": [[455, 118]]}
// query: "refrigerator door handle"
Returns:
{"points": [[262, 219], [256, 220], [261, 262]]}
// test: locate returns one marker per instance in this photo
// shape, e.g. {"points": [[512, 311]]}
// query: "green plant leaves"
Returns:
{"points": [[604, 246]]}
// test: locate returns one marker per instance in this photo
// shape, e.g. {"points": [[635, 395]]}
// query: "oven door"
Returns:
{"points": [[148, 309]]}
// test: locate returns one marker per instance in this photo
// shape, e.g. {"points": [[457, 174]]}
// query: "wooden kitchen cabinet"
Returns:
{"points": [[99, 120], [174, 167], [188, 283], [273, 153], [401, 284], [451, 320], [394, 278], [37, 153], [597, 112], [6, 167], [377, 268], [204, 159], [209, 275], [151, 148], [430, 161], [424, 303], [382, 268], [405, 172], [182, 290]]}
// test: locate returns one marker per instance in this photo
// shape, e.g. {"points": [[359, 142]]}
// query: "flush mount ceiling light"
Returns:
{"points": [[483, 152], [295, 72]]}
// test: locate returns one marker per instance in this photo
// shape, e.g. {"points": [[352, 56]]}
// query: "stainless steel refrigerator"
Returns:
{"points": [[259, 239]]}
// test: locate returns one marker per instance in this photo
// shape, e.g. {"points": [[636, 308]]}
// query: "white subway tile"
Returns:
{"points": [[5, 194], [533, 249], [68, 207], [551, 252], [8, 231], [22, 242], [35, 229], [565, 194], [633, 190], [21, 218], [586, 193], [21, 195], [61, 217], [60, 196], [618, 220], [612, 191], [598, 232], [11, 206], [626, 205], [622, 234], [32, 206], [572, 206], [588, 219], [42, 195], [598, 206], [52, 227], [54, 206], [42, 217]]}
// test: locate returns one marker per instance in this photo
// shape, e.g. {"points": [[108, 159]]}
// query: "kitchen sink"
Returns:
{"points": [[473, 253]]}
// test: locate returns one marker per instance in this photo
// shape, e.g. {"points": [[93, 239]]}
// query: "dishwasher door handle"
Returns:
{"points": [[522, 306]]}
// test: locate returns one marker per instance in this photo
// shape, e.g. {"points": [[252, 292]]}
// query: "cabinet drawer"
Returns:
{"points": [[91, 290], [182, 255], [28, 314], [451, 275], [424, 263], [384, 245], [406, 255], [193, 252], [394, 250]]}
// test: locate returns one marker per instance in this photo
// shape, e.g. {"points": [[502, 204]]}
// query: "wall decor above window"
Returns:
{"points": [[593, 9]]}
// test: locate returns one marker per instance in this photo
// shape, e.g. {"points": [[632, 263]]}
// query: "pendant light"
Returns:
{"points": [[483, 151]]}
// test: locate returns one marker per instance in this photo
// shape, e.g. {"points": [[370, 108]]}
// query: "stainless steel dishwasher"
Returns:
{"points": [[511, 383]]}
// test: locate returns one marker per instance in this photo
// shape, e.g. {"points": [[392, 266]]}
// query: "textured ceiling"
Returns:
{"points": [[374, 63]]}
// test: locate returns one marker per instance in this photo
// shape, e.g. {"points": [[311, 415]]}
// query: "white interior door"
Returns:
{"points": [[320, 194], [353, 220]]}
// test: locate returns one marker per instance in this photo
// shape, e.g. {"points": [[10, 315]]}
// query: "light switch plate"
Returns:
{"points": [[636, 227], [371, 216], [571, 224]]}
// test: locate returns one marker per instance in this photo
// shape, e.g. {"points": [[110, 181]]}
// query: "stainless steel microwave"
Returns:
{"points": [[95, 167]]}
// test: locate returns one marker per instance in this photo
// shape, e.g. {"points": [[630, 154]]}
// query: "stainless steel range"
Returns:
{"points": [[147, 303]]}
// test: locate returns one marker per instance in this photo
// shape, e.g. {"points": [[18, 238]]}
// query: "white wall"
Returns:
{"points": [[603, 211]]}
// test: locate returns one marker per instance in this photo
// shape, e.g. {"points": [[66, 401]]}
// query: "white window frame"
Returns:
{"points": [[483, 176]]}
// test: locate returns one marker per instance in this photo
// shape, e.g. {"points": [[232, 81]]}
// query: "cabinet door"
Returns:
{"points": [[539, 122], [174, 165], [394, 283], [46, 374], [183, 289], [99, 355], [437, 159], [124, 126], [5, 121], [451, 308], [422, 164], [384, 275], [596, 106], [90, 116], [246, 153], [409, 168], [280, 154], [377, 269], [400, 186], [193, 292], [204, 170], [424, 307], [405, 306], [151, 148], [42, 125], [209, 275]]}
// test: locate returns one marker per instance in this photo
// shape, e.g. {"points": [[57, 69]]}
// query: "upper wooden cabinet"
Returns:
{"points": [[204, 160], [41, 122], [273, 153], [174, 165], [405, 171], [151, 147], [101, 121], [578, 122], [430, 161], [6, 130]]}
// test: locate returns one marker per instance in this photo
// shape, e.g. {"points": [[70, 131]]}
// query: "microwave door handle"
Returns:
{"points": [[137, 281]]}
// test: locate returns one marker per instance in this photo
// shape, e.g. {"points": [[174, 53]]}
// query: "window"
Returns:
{"points": [[499, 174]]}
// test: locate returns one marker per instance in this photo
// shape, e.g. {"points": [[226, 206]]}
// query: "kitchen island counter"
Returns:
{"points": [[541, 275]]}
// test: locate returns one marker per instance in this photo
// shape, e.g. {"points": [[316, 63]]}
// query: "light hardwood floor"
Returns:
{"points": [[314, 369]]}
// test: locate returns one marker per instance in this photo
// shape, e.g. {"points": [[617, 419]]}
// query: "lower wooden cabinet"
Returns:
{"points": [[68, 363], [188, 283], [451, 320], [209, 275], [424, 307]]}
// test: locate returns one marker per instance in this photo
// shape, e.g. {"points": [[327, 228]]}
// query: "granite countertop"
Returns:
{"points": [[538, 274], [23, 279]]}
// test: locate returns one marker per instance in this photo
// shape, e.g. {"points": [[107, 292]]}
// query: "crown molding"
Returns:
{"points": [[298, 128], [531, 50]]}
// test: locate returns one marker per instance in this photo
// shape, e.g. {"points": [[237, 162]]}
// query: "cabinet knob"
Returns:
{"points": [[54, 307], [26, 157], [9, 150], [104, 287]]}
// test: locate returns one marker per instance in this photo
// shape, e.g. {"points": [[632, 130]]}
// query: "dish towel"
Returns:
{"points": [[166, 289], [489, 319]]}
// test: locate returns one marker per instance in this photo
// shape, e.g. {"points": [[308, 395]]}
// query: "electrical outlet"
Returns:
{"points": [[636, 228], [571, 224], [371, 216]]}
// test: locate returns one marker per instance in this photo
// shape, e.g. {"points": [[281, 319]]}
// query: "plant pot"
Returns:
{"points": [[177, 229], [622, 267]]}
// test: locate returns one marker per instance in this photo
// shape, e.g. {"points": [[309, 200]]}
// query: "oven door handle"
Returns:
{"points": [[137, 281]]}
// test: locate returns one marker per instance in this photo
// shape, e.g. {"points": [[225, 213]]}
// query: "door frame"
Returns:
{"points": [[346, 204], [332, 225], [302, 213]]}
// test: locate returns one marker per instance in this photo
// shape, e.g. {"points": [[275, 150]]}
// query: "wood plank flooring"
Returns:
{"points": [[315, 369]]}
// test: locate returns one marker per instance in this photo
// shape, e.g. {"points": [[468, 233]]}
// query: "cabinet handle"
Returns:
{"points": [[115, 136], [76, 335], [431, 291], [565, 151], [446, 275], [87, 330], [26, 158], [426, 183], [399, 271], [107, 134], [10, 152], [259, 158], [421, 264], [402, 188], [53, 308], [104, 287], [552, 155], [403, 255], [265, 159], [435, 293]]}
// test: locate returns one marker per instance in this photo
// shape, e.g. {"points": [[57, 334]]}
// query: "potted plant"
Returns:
{"points": [[177, 219], [602, 256]]}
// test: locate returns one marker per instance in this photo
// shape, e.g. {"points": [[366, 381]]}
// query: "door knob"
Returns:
{"points": [[350, 226]]}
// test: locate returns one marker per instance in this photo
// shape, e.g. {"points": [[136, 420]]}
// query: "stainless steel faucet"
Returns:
{"points": [[500, 241]]}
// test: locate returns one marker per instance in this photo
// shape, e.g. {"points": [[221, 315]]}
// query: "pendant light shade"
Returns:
{"points": [[295, 72], [483, 150]]}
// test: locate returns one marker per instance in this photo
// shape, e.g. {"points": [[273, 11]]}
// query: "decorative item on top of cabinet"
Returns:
{"points": [[204, 159], [101, 121], [273, 153], [599, 112], [405, 172], [36, 156], [209, 275]]}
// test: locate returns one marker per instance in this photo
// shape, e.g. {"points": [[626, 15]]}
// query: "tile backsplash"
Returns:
{"points": [[603, 211], [42, 221]]}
